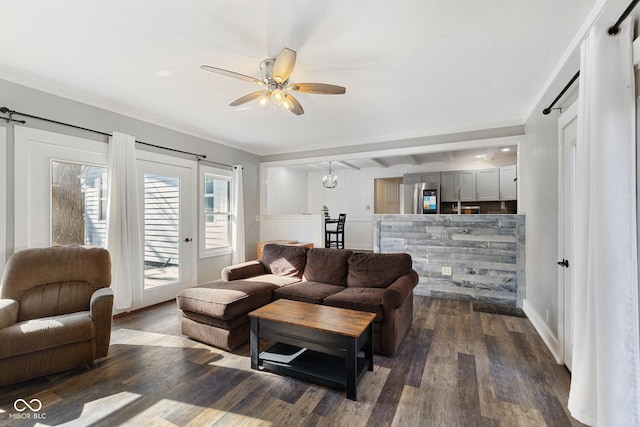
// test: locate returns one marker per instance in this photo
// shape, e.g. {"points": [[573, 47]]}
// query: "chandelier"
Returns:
{"points": [[330, 180]]}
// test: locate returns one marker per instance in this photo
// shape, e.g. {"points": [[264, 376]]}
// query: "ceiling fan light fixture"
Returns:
{"points": [[277, 96], [330, 180], [275, 76], [264, 100]]}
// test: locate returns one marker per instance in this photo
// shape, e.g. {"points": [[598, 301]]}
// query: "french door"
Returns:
{"points": [[61, 189], [165, 192]]}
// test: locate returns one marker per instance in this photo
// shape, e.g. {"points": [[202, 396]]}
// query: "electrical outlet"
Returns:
{"points": [[257, 218], [446, 271]]}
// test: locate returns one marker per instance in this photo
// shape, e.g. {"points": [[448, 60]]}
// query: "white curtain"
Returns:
{"points": [[605, 385], [123, 222], [237, 231]]}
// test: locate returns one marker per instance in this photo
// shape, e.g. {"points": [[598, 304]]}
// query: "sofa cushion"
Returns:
{"points": [[225, 300], [327, 266], [362, 299], [284, 260], [312, 292], [369, 270], [273, 279], [44, 333]]}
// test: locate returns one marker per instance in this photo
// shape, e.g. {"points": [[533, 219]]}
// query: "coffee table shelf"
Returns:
{"points": [[308, 365]]}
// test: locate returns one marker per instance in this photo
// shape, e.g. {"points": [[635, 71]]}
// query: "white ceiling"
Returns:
{"points": [[411, 68]]}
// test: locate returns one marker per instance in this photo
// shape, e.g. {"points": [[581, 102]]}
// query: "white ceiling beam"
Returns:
{"points": [[447, 156], [380, 163], [425, 149], [413, 160], [348, 165]]}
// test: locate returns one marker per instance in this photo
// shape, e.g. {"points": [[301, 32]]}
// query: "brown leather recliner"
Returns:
{"points": [[55, 311]]}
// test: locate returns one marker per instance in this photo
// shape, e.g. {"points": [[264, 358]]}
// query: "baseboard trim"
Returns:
{"points": [[543, 330]]}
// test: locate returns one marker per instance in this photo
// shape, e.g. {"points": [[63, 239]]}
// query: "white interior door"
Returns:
{"points": [[168, 231], [567, 139]]}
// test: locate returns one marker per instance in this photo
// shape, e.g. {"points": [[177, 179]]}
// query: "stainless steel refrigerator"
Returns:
{"points": [[420, 198]]}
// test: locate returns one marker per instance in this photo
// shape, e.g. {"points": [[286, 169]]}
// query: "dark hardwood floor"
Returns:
{"points": [[456, 367]]}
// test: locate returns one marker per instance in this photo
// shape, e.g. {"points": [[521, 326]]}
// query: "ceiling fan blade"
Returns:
{"points": [[296, 108], [320, 88], [249, 97], [231, 74], [284, 64]]}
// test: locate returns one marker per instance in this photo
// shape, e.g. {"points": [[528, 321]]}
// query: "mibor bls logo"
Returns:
{"points": [[21, 406]]}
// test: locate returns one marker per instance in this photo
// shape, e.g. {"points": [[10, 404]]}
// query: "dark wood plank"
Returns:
{"points": [[455, 367], [468, 391]]}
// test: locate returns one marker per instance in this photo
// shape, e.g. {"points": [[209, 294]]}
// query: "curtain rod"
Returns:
{"points": [[613, 30], [11, 113], [567, 86]]}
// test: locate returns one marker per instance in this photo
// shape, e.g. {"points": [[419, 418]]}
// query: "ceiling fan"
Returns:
{"points": [[275, 78]]}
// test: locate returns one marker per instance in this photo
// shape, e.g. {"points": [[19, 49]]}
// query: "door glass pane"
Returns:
{"points": [[78, 204], [161, 230]]}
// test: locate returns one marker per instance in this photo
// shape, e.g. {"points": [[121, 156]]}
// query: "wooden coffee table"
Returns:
{"points": [[315, 343]]}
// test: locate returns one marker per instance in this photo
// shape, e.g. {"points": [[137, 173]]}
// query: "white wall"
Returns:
{"points": [[287, 191], [307, 228], [539, 163]]}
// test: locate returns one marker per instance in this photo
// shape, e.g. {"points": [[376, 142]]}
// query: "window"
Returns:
{"points": [[76, 208], [216, 211]]}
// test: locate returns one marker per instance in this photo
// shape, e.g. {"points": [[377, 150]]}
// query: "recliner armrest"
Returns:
{"points": [[397, 292], [102, 315], [243, 270], [8, 312]]}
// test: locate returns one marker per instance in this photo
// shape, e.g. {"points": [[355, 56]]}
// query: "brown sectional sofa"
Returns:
{"points": [[216, 313]]}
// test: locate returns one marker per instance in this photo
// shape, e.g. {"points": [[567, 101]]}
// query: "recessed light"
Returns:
{"points": [[506, 149], [480, 156]]}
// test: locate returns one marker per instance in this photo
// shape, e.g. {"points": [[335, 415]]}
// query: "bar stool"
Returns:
{"points": [[335, 237]]}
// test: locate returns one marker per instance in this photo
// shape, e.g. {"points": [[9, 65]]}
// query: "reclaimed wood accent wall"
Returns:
{"points": [[486, 254]]}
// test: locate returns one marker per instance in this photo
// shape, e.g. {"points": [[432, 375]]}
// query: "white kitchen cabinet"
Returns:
{"points": [[467, 185], [430, 178], [488, 184], [413, 178], [508, 183], [449, 186]]}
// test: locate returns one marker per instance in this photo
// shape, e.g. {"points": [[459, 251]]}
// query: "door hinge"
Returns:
{"points": [[564, 263]]}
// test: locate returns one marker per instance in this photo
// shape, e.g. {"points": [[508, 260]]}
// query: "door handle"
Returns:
{"points": [[187, 240], [564, 263]]}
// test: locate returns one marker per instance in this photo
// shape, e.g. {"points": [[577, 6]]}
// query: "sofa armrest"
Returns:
{"points": [[8, 312], [243, 270], [397, 292], [101, 313]]}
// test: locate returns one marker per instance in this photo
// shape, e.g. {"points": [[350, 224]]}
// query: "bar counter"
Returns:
{"points": [[486, 254]]}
